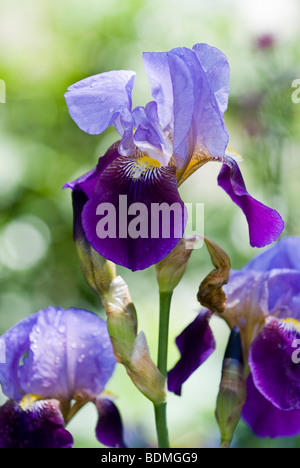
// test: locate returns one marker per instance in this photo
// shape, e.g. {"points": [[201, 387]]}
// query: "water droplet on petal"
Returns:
{"points": [[93, 84], [81, 358]]}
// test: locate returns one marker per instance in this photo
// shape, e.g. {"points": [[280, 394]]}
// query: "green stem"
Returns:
{"points": [[162, 362], [161, 425]]}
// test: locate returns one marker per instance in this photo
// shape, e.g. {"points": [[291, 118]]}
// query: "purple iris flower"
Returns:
{"points": [[55, 362], [161, 145], [263, 302]]}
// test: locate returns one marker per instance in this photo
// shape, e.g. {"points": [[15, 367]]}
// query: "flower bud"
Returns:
{"points": [[171, 269], [130, 348], [232, 392]]}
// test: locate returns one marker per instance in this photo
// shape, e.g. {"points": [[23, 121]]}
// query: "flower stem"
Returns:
{"points": [[162, 361]]}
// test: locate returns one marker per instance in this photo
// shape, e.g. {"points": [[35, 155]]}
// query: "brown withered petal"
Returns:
{"points": [[211, 294]]}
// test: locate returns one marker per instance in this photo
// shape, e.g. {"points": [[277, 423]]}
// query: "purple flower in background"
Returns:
{"points": [[55, 362], [265, 41], [161, 145], [263, 302]]}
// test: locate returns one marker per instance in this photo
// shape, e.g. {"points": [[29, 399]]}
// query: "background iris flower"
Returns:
{"points": [[56, 361], [263, 303], [161, 145]]}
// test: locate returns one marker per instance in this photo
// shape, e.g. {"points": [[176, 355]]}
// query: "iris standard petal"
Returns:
{"points": [[109, 429], [144, 214], [265, 224], [265, 419], [216, 67], [284, 254], [70, 354], [40, 426], [208, 129], [275, 374], [158, 71], [196, 343], [102, 100], [17, 342], [196, 115], [183, 106]]}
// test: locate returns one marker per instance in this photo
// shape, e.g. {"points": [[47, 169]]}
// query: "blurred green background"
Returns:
{"points": [[47, 46]]}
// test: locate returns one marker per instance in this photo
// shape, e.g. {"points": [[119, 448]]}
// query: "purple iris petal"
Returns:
{"points": [[157, 68], [265, 419], [183, 107], [140, 239], [41, 426], [197, 113], [101, 100], [275, 374], [88, 181], [216, 67], [109, 429], [17, 343], [284, 293], [149, 137], [83, 189], [67, 353], [284, 254], [208, 127], [196, 343], [265, 224]]}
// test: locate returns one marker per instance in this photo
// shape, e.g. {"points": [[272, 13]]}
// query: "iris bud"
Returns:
{"points": [[232, 392], [171, 269]]}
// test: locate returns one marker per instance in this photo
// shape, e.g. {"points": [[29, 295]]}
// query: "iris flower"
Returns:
{"points": [[161, 145], [56, 361], [263, 302]]}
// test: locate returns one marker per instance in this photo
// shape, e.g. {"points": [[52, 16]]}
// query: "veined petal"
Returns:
{"points": [[191, 93], [265, 419], [40, 426], [101, 100], [207, 128], [109, 429], [196, 343], [216, 67], [144, 214], [275, 372], [183, 106], [265, 224], [157, 68]]}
